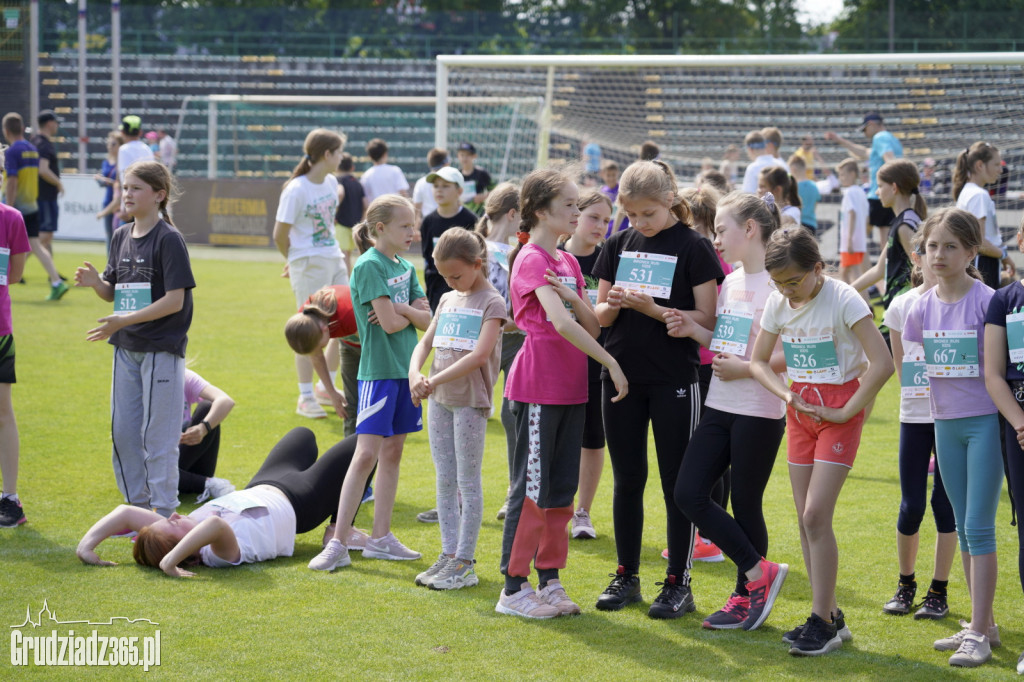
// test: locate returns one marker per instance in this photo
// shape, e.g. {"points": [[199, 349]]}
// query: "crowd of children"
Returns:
{"points": [[706, 313]]}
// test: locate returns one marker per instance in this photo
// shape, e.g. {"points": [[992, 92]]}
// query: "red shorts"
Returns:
{"points": [[809, 441], [848, 259]]}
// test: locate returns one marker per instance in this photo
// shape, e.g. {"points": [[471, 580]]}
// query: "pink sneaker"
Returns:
{"points": [[763, 592], [526, 604], [706, 551], [730, 616]]}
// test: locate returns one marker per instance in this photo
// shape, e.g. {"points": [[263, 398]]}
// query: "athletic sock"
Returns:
{"points": [[939, 587], [513, 583], [55, 283], [306, 390], [910, 580], [10, 496]]}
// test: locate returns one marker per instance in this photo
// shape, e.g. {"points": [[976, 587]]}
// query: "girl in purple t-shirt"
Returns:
{"points": [[950, 321], [547, 386]]}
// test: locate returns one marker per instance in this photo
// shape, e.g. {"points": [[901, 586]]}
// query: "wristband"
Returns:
{"points": [[205, 423]]}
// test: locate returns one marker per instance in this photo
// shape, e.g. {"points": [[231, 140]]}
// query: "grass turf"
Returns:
{"points": [[279, 619]]}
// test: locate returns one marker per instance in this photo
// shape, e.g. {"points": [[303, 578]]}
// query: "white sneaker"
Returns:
{"points": [[215, 487], [952, 643], [525, 603], [1020, 665], [427, 576], [454, 576], [308, 407], [357, 540], [553, 593], [582, 526], [974, 650], [321, 395], [334, 555], [389, 548]]}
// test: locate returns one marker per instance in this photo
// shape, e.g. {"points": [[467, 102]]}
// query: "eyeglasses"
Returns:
{"points": [[792, 284]]}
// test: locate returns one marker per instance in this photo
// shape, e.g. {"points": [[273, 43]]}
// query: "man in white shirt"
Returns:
{"points": [[382, 177], [759, 158], [133, 149], [168, 150]]}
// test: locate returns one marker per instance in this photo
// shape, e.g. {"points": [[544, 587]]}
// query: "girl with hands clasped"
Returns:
{"points": [[838, 362], [149, 280], [950, 321], [466, 337], [743, 423], [389, 306], [548, 389], [660, 264]]}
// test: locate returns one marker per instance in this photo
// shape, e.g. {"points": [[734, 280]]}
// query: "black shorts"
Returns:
{"points": [[7, 360], [593, 426], [879, 215], [31, 223]]}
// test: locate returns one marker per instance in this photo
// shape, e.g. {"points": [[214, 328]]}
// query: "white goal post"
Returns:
{"points": [[695, 106]]}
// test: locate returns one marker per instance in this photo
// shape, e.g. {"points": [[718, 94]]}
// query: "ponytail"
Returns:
{"points": [[362, 237], [905, 176], [318, 143], [965, 160], [792, 194]]}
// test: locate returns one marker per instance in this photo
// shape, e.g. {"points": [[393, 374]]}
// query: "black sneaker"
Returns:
{"points": [[623, 589], [934, 607], [11, 513], [675, 599], [817, 637], [902, 601], [843, 631]]}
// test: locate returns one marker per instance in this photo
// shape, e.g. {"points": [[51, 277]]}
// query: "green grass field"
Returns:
{"points": [[277, 620]]}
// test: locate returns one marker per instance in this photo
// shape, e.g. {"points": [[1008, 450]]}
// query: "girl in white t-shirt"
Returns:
{"points": [[917, 443], [743, 423], [776, 181], [293, 492], [837, 361], [465, 335], [304, 234], [977, 166]]}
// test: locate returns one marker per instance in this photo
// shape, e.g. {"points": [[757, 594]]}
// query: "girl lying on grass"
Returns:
{"points": [[293, 492]]}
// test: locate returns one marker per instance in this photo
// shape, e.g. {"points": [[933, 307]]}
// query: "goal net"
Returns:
{"points": [[247, 136], [693, 107]]}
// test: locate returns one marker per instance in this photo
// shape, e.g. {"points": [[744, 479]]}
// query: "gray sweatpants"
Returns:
{"points": [[145, 425]]}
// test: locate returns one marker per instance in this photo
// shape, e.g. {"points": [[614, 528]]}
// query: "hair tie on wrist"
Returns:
{"points": [[523, 237]]}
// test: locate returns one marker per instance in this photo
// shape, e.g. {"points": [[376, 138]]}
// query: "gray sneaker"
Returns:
{"points": [[389, 548], [503, 511], [427, 576], [334, 555], [454, 576], [974, 650], [429, 516], [582, 526]]}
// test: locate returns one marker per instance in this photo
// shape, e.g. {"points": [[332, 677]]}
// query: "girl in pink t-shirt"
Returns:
{"points": [[548, 389]]}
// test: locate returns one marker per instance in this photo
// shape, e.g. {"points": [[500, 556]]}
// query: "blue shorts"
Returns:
{"points": [[385, 408], [48, 212]]}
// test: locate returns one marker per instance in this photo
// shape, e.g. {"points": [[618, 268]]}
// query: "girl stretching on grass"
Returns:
{"points": [[389, 306], [149, 280], [293, 492], [466, 337], [743, 423], [548, 389], [950, 321], [838, 361]]}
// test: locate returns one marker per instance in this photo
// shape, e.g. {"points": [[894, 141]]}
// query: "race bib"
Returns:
{"points": [[732, 331], [647, 273], [914, 379], [499, 252], [132, 296], [592, 295], [5, 260], [1014, 335], [399, 287], [812, 359], [469, 190], [458, 328], [951, 353], [571, 283]]}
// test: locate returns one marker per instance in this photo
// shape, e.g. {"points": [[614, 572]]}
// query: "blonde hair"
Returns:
{"points": [[654, 180], [703, 203], [744, 206], [592, 196], [461, 244], [381, 210], [318, 143], [848, 165], [302, 330], [792, 246]]}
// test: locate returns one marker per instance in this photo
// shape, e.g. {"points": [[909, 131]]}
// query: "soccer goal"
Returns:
{"points": [[695, 106], [261, 135]]}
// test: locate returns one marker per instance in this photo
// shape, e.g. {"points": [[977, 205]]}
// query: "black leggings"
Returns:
{"points": [[720, 493], [917, 442], [1015, 479], [312, 485], [672, 413], [749, 445], [198, 462]]}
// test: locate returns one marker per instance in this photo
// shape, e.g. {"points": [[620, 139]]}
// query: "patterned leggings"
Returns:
{"points": [[457, 446]]}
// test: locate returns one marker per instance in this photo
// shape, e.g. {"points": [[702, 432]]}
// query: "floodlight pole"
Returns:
{"points": [[83, 137], [115, 62], [33, 60]]}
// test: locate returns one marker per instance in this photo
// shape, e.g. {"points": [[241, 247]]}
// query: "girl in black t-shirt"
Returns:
{"points": [[659, 264]]}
